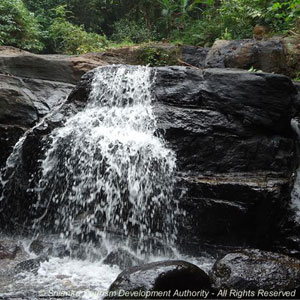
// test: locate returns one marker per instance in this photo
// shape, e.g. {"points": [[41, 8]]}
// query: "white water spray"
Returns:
{"points": [[106, 170]]}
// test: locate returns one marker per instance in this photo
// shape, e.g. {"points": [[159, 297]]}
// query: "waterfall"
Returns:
{"points": [[106, 170]]}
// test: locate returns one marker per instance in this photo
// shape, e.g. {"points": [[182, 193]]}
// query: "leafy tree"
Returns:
{"points": [[132, 31], [236, 19], [19, 27], [73, 39]]}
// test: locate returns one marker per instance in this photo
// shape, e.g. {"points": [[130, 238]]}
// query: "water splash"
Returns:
{"points": [[106, 170]]}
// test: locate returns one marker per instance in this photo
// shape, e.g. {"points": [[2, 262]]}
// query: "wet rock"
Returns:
{"points": [[23, 102], [57, 249], [233, 209], [30, 265], [38, 247], [122, 258], [16, 108], [235, 162], [166, 276], [255, 269], [9, 136], [9, 250], [268, 55], [43, 95]]}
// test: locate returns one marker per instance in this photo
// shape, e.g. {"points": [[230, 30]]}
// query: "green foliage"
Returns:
{"points": [[156, 56], [78, 26], [177, 14], [135, 32], [73, 39], [253, 70], [236, 19], [282, 15], [19, 27], [45, 14]]}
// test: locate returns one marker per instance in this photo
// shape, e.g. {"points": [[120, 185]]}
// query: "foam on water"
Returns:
{"points": [[68, 277], [63, 277]]}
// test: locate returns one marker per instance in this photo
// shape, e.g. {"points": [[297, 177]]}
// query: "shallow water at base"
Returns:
{"points": [[72, 278]]}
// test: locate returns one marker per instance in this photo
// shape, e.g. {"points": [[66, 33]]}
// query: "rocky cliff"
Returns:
{"points": [[236, 152]]}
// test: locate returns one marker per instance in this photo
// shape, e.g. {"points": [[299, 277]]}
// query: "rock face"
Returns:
{"points": [[30, 85], [268, 56], [43, 79], [23, 101], [236, 151], [254, 269], [161, 277]]}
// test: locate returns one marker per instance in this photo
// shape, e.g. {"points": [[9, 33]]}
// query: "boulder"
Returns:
{"points": [[252, 269], [163, 280], [266, 55], [30, 265]]}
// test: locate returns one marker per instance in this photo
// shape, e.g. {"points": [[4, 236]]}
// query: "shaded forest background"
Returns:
{"points": [[80, 26]]}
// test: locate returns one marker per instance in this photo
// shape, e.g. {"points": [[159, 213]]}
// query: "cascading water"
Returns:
{"points": [[106, 179], [106, 171]]}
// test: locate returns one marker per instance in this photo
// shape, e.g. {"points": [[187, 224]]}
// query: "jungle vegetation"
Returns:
{"points": [[80, 26]]}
